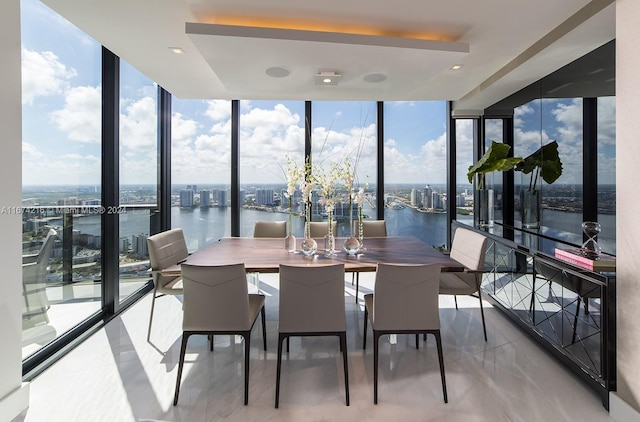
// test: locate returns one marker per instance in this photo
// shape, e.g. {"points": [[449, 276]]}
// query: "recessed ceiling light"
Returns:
{"points": [[374, 77], [176, 50], [327, 78], [277, 72], [456, 66]]}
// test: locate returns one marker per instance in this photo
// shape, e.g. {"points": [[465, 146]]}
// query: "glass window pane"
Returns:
{"points": [[493, 132], [346, 131], [61, 144], [415, 170], [607, 173], [270, 131], [138, 176], [536, 124], [201, 170], [464, 159]]}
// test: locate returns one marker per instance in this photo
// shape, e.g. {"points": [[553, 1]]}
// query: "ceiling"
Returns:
{"points": [[382, 50]]}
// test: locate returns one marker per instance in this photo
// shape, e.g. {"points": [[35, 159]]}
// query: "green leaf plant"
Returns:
{"points": [[495, 159], [545, 163]]}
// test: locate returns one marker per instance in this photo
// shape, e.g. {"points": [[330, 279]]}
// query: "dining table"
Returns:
{"points": [[265, 255]]}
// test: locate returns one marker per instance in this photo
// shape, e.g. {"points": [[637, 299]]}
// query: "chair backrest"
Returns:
{"points": [[371, 228], [406, 297], [166, 249], [34, 274], [321, 228], [469, 248], [216, 298], [312, 299], [44, 250], [270, 229]]}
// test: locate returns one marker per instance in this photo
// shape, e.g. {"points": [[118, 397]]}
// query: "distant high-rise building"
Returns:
{"points": [[124, 244], [416, 198], [436, 200], [139, 244], [460, 200], [242, 196], [205, 198], [427, 197], [264, 196], [223, 197], [186, 198], [192, 187]]}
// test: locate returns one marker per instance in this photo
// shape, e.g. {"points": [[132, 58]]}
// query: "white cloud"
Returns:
{"points": [[606, 121], [65, 169], [182, 129], [138, 124], [30, 151], [218, 109], [81, 116], [138, 167], [43, 74]]}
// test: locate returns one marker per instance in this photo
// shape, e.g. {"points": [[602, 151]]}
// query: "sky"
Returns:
{"points": [[61, 129]]}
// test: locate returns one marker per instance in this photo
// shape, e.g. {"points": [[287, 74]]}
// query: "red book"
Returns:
{"points": [[603, 263]]}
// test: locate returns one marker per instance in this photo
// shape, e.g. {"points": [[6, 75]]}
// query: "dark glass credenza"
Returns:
{"points": [[568, 309]]}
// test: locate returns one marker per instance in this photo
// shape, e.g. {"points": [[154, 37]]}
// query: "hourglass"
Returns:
{"points": [[590, 248]]}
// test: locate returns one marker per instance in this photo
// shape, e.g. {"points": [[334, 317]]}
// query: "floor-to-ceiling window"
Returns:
{"points": [[201, 170], [61, 175], [345, 133], [138, 199], [464, 159], [493, 131], [607, 173], [538, 123], [271, 140], [415, 169]]}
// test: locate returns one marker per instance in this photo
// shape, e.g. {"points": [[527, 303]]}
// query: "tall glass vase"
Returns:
{"points": [[330, 240], [483, 210], [351, 245], [360, 229], [308, 246], [530, 209], [290, 240]]}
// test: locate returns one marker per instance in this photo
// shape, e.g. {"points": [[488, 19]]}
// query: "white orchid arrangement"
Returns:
{"points": [[294, 174]]}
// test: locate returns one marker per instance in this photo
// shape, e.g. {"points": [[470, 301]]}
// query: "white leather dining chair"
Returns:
{"points": [[216, 301], [404, 301], [312, 304]]}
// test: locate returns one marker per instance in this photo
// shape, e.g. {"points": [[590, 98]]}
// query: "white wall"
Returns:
{"points": [[13, 398], [628, 205]]}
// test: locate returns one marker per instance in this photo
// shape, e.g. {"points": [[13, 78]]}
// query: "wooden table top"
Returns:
{"points": [[266, 254]]}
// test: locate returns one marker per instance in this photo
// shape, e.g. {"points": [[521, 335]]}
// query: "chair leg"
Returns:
{"points": [[264, 329], [153, 305], [210, 339], [484, 327], [532, 305], [183, 349], [417, 339], [441, 361], [364, 331], [281, 337], [247, 345], [343, 347], [455, 299], [376, 337], [357, 284], [288, 344], [575, 321]]}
